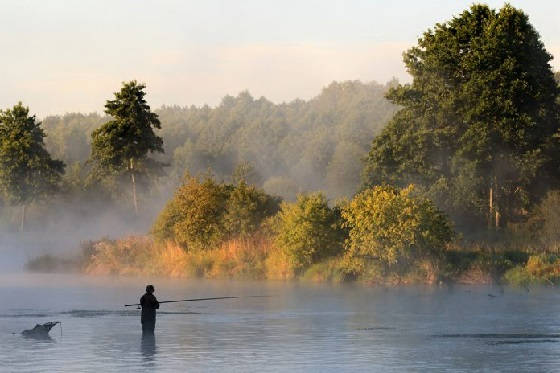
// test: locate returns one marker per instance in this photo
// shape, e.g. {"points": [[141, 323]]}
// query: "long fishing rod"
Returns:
{"points": [[183, 300]]}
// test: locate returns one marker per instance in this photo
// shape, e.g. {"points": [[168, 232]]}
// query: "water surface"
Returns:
{"points": [[300, 327]]}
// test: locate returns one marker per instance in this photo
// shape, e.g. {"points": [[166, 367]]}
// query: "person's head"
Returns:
{"points": [[150, 289]]}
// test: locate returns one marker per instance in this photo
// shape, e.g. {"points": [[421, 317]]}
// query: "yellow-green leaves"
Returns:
{"points": [[308, 230], [393, 227], [203, 213]]}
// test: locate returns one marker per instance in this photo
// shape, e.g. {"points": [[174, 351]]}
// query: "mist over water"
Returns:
{"points": [[298, 328]]}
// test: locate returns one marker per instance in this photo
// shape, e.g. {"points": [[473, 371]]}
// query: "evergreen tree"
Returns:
{"points": [[122, 144], [27, 171]]}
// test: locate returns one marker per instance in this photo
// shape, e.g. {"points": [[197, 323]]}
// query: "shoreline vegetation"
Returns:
{"points": [[236, 231], [255, 259]]}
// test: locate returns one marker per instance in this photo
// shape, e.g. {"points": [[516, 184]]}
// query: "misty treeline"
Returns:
{"points": [[286, 148]]}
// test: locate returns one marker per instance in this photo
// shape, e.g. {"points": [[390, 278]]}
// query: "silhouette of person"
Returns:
{"points": [[149, 305]]}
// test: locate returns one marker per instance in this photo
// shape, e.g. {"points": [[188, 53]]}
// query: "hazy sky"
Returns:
{"points": [[60, 56]]}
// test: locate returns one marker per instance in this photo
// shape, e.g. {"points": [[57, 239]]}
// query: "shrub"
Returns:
{"points": [[392, 227], [204, 213], [194, 217], [328, 270], [308, 231], [246, 208], [540, 269]]}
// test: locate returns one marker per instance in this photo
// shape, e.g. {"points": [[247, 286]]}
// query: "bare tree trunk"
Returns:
{"points": [[22, 223], [496, 206], [134, 200], [490, 208]]}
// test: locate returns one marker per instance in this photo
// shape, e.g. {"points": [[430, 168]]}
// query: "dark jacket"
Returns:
{"points": [[149, 305]]}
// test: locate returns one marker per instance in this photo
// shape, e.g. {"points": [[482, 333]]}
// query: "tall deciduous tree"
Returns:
{"points": [[122, 145], [478, 121], [27, 171]]}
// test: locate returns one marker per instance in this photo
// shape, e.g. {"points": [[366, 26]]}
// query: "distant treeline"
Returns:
{"points": [[291, 147], [286, 148]]}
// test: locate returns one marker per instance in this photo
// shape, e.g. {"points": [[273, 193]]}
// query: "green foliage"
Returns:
{"points": [[69, 136], [290, 146], [130, 135], [391, 227], [479, 114], [542, 269], [246, 208], [308, 230], [488, 263], [545, 221], [203, 213], [27, 171], [327, 270], [122, 144], [195, 215]]}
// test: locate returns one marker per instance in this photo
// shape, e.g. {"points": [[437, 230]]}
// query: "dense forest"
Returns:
{"points": [[454, 172]]}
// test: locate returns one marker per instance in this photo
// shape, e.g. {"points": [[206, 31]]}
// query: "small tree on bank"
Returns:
{"points": [[203, 213], [390, 227], [308, 230], [122, 144], [27, 171]]}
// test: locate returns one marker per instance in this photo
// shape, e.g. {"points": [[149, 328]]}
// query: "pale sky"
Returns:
{"points": [[62, 56]]}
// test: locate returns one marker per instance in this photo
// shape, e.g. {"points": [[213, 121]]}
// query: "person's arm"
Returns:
{"points": [[156, 303], [142, 301]]}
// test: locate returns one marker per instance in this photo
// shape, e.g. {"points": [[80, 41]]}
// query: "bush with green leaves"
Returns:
{"points": [[542, 269], [308, 230], [194, 216], [392, 227], [203, 213], [246, 208]]}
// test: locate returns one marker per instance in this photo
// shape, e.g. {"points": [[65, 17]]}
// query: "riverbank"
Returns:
{"points": [[256, 258]]}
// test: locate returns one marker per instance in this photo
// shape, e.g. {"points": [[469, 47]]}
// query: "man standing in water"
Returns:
{"points": [[149, 305]]}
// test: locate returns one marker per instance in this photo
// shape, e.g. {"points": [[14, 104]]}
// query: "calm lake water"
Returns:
{"points": [[300, 327]]}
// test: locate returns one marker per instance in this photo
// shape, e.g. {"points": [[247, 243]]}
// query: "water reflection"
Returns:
{"points": [[304, 327], [148, 349]]}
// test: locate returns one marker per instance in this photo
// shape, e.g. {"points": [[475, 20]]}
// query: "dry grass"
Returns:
{"points": [[242, 258]]}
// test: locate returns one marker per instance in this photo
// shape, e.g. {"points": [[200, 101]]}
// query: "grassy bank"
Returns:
{"points": [[244, 258], [257, 258]]}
